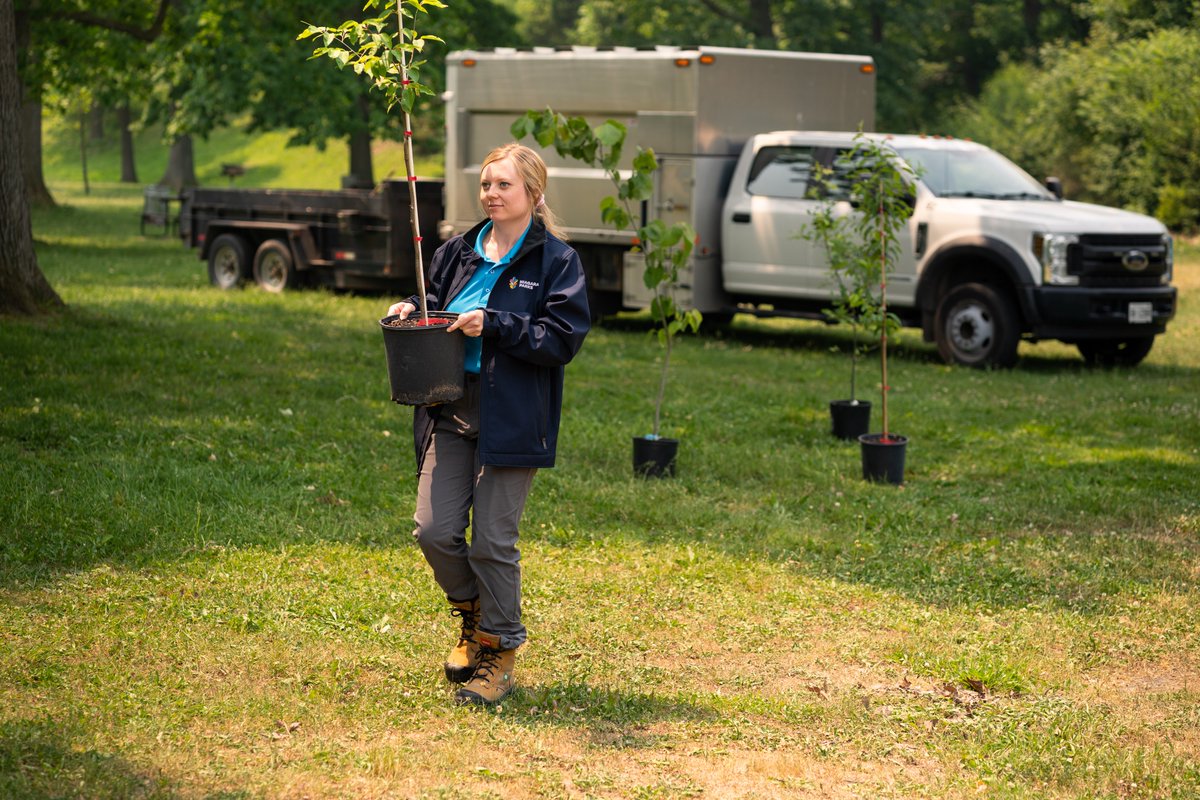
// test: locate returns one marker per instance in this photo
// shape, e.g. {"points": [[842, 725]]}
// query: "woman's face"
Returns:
{"points": [[502, 192]]}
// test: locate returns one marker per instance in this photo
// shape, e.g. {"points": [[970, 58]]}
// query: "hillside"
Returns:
{"points": [[268, 160]]}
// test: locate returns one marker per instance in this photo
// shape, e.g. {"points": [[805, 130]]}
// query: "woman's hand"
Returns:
{"points": [[403, 308], [470, 323]]}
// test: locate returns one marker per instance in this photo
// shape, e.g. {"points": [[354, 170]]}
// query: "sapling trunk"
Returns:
{"points": [[853, 364], [883, 318], [410, 167], [662, 381], [372, 52]]}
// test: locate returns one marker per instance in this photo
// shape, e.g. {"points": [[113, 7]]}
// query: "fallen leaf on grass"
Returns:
{"points": [[331, 499]]}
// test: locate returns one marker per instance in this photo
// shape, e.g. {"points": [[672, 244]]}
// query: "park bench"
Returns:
{"points": [[156, 208]]}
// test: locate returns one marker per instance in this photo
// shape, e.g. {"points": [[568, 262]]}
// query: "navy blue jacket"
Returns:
{"points": [[534, 323]]}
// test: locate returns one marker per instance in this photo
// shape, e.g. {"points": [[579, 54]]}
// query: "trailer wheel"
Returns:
{"points": [[1115, 352], [977, 327], [273, 266], [228, 264]]}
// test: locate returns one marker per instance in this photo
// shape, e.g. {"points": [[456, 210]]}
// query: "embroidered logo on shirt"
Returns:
{"points": [[513, 283]]}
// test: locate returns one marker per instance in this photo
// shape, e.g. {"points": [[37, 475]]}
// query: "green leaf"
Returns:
{"points": [[653, 275], [645, 161], [611, 133], [522, 127]]}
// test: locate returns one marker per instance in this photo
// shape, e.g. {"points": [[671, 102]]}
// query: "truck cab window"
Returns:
{"points": [[973, 173], [838, 168], [781, 172]]}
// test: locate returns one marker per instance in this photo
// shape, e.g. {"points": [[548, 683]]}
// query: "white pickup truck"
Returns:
{"points": [[991, 257], [988, 257]]}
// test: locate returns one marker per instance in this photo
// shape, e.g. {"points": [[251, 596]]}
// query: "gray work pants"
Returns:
{"points": [[454, 490]]}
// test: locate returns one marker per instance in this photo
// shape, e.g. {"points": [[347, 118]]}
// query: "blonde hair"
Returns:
{"points": [[532, 170]]}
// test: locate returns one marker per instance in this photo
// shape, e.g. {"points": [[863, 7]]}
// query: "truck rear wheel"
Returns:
{"points": [[228, 264], [977, 327], [1115, 352], [273, 266]]}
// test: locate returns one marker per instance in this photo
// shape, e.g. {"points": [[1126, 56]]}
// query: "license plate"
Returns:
{"points": [[1141, 313]]}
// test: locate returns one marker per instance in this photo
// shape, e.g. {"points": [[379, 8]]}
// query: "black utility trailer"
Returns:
{"points": [[282, 238]]}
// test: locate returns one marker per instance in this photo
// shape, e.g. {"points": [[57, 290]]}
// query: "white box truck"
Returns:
{"points": [[991, 255]]}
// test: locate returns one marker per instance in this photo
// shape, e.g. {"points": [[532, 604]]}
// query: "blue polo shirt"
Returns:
{"points": [[479, 288]]}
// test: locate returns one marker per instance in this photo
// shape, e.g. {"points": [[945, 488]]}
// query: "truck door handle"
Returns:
{"points": [[741, 216]]}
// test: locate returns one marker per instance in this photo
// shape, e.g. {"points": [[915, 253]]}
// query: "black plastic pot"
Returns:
{"points": [[425, 364], [654, 458], [851, 418], [883, 459]]}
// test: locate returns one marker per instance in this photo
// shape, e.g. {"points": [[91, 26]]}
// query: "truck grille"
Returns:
{"points": [[1112, 260]]}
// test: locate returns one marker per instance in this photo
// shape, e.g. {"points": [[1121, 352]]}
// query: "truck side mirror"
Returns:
{"points": [[1055, 186]]}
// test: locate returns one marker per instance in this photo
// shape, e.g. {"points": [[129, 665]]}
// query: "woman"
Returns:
{"points": [[522, 302]]}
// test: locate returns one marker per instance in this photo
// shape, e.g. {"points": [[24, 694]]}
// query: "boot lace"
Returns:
{"points": [[488, 662], [469, 621]]}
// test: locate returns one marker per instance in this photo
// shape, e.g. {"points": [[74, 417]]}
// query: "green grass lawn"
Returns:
{"points": [[208, 586]]}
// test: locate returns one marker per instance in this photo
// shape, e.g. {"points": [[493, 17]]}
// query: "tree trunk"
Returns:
{"points": [[181, 165], [23, 287], [362, 171], [564, 16], [83, 141], [29, 121], [30, 126], [762, 26], [96, 123], [128, 166], [1031, 13]]}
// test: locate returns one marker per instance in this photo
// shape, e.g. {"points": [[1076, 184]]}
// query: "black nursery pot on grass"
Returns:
{"points": [[851, 418], [883, 457], [424, 363], [654, 458]]}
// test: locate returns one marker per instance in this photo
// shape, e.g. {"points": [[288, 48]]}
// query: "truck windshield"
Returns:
{"points": [[972, 173]]}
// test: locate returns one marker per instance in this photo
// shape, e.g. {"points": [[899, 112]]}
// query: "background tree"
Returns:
{"points": [[284, 81], [23, 287], [1115, 117], [928, 55], [29, 33], [65, 44], [547, 22]]}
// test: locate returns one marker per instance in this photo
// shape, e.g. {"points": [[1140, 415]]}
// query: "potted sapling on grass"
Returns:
{"points": [[865, 245], [664, 249], [853, 301], [425, 365]]}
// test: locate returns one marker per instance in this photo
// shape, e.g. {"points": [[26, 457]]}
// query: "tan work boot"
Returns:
{"points": [[493, 678], [461, 662]]}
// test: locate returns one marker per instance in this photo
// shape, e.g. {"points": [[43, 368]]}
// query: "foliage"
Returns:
{"points": [[1179, 208], [391, 63], [1115, 119], [665, 248], [863, 247], [831, 228]]}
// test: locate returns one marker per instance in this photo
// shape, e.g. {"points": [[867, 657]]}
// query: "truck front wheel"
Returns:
{"points": [[273, 266], [1115, 352], [977, 327], [227, 262]]}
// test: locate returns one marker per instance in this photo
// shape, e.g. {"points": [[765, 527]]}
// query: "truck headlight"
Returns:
{"points": [[1168, 258], [1051, 249]]}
